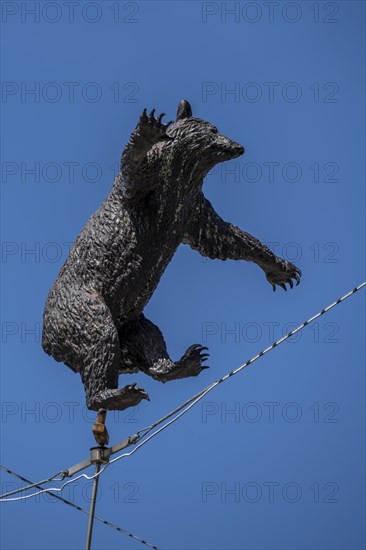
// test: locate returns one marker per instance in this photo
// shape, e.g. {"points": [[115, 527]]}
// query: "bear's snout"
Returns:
{"points": [[232, 148]]}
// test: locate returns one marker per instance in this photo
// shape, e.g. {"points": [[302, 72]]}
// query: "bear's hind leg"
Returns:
{"points": [[99, 356], [143, 347]]}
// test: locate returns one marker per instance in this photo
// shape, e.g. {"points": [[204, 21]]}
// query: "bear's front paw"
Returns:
{"points": [[191, 362], [151, 129], [281, 272]]}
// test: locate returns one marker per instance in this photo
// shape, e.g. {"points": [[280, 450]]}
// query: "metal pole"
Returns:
{"points": [[98, 456], [92, 507]]}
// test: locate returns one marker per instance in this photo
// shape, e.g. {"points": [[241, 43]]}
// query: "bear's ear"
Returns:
{"points": [[184, 110]]}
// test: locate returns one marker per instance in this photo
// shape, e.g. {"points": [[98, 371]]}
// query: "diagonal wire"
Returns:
{"points": [[37, 484], [135, 537], [187, 405], [198, 396]]}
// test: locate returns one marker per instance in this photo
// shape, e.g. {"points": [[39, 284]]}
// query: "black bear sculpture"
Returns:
{"points": [[93, 319]]}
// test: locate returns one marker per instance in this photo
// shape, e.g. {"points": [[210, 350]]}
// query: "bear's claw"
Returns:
{"points": [[281, 272]]}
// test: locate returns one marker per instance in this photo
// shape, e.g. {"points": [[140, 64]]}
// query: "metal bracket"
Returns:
{"points": [[105, 453], [131, 440], [77, 468]]}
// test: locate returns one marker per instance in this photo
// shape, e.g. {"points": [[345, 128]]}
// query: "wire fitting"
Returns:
{"points": [[99, 455]]}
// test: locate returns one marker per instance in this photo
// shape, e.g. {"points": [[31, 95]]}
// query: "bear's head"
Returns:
{"points": [[197, 145]]}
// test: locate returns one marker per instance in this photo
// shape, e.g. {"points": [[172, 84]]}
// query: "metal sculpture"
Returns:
{"points": [[93, 319]]}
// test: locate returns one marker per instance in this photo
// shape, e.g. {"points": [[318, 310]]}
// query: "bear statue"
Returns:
{"points": [[93, 319]]}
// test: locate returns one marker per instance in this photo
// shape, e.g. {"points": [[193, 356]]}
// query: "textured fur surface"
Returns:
{"points": [[93, 319]]}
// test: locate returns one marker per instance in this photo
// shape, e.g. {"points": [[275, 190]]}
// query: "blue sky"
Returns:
{"points": [[287, 81]]}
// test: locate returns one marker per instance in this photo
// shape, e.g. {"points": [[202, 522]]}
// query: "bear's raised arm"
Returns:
{"points": [[211, 236], [135, 166]]}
